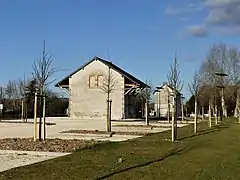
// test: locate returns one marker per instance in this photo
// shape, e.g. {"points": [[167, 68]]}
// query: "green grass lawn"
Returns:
{"points": [[211, 154]]}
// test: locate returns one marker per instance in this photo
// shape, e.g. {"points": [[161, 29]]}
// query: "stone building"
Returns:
{"points": [[162, 95], [88, 101]]}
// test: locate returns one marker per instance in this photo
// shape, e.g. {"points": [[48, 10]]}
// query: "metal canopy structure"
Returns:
{"points": [[133, 90]]}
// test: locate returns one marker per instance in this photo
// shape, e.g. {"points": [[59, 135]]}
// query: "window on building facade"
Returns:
{"points": [[95, 81], [100, 80]]}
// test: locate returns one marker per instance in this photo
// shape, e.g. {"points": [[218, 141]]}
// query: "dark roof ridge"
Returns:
{"points": [[108, 63]]}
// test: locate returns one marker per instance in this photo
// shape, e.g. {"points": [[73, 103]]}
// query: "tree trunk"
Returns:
{"points": [[173, 121], [146, 114], [107, 118], [35, 118], [195, 117], [26, 111], [216, 112], [239, 115], [168, 110], [203, 113], [22, 113], [186, 113], [175, 117], [40, 115], [236, 111], [44, 118], [110, 115], [210, 114], [182, 112], [224, 111]]}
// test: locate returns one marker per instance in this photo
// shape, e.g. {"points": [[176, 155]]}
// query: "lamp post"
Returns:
{"points": [[221, 87]]}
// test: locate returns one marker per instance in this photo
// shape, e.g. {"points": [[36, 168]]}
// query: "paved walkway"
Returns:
{"points": [[25, 130], [13, 159]]}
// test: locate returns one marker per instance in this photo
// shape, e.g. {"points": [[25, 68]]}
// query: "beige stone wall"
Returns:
{"points": [[161, 102], [90, 103]]}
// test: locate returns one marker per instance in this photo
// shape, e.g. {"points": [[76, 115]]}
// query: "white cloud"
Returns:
{"points": [[154, 28], [172, 11], [223, 15], [227, 15], [230, 31], [184, 19], [219, 3], [179, 10], [197, 30]]}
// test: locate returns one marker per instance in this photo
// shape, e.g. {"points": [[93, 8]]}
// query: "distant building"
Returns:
{"points": [[163, 95]]}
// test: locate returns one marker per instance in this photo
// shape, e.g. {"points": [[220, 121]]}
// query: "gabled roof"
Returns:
{"points": [[108, 63], [161, 87]]}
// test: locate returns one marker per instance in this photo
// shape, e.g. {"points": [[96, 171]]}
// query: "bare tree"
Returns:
{"points": [[176, 83], [22, 84], [146, 94], [194, 88], [208, 78], [12, 94], [2, 92], [234, 75], [107, 86], [42, 72], [238, 104]]}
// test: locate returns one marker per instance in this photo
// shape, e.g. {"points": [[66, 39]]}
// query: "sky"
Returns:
{"points": [[139, 36]]}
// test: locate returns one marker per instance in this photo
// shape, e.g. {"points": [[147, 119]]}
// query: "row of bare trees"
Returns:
{"points": [[211, 93], [18, 95], [14, 94], [218, 95], [204, 86]]}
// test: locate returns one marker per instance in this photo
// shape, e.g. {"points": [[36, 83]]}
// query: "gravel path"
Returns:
{"points": [[13, 159]]}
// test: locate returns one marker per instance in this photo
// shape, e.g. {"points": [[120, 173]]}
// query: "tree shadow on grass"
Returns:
{"points": [[205, 131], [173, 152]]}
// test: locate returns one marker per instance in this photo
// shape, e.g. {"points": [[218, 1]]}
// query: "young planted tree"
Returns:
{"points": [[194, 88], [146, 94], [42, 72], [107, 86], [176, 83]]}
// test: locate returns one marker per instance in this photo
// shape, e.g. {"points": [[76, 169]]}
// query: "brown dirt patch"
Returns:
{"points": [[49, 145], [19, 122], [105, 132], [142, 126]]}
